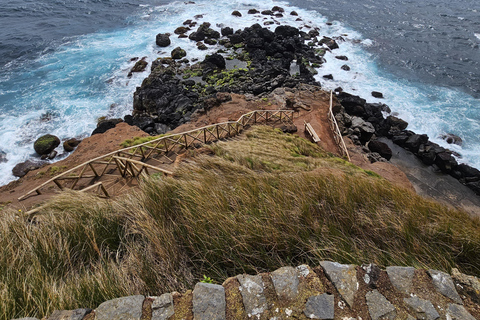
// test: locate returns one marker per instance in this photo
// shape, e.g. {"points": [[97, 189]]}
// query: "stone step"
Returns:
{"points": [[329, 291]]}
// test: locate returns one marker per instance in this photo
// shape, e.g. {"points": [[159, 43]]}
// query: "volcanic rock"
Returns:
{"points": [[452, 139], [70, 144], [181, 30], [178, 53], [23, 168], [226, 31], [45, 144], [163, 40], [381, 148], [236, 13], [344, 58], [104, 125]]}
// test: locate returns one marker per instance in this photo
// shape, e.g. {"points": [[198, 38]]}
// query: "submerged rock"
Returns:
{"points": [[452, 139]]}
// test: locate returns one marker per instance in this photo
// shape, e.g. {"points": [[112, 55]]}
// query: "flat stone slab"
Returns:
{"points": [[401, 278], [379, 307], [162, 307], [251, 288], [208, 302], [77, 314], [444, 284], [423, 309], [285, 280], [457, 312], [320, 307], [126, 308], [343, 277]]}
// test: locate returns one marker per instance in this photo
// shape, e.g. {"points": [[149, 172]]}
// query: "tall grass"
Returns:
{"points": [[257, 204]]}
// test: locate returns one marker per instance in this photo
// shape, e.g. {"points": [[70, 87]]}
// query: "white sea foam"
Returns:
{"points": [[81, 80]]}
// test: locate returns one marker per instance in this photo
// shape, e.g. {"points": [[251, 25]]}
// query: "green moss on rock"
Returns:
{"points": [[46, 144]]}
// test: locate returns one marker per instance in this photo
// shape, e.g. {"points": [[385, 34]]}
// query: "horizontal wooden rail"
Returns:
{"points": [[121, 162]]}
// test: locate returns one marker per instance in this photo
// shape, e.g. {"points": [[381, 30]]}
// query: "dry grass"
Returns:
{"points": [[266, 201]]}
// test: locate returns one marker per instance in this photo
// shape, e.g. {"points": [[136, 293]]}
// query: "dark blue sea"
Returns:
{"points": [[64, 63]]}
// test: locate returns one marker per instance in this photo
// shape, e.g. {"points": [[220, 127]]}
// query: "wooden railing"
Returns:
{"points": [[131, 162], [336, 131]]}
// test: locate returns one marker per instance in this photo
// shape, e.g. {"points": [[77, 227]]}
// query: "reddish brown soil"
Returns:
{"points": [[311, 105]]}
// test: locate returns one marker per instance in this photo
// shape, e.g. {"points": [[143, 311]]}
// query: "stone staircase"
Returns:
{"points": [[329, 291]]}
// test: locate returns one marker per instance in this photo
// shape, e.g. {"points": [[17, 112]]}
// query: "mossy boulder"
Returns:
{"points": [[178, 53], [46, 144]]}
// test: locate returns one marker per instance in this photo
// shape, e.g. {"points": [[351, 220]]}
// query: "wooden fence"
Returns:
{"points": [[336, 131], [143, 159]]}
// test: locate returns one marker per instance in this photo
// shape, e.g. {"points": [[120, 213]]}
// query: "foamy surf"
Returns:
{"points": [[80, 81]]}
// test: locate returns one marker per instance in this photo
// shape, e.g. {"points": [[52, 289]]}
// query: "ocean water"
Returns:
{"points": [[64, 63]]}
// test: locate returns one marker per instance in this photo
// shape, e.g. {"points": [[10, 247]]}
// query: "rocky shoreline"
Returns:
{"points": [[254, 62]]}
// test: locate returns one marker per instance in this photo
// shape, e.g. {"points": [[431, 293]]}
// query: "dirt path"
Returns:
{"points": [[311, 103]]}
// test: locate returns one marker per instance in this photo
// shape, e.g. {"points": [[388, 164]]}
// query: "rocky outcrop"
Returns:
{"points": [[23, 168], [106, 124], [356, 119], [331, 291], [176, 89]]}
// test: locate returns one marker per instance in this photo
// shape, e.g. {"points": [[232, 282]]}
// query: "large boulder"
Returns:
{"points": [[446, 162], [197, 36], [381, 148], [354, 105], [178, 53], [397, 122], [23, 168], [214, 61], [46, 144], [226, 31], [365, 129], [163, 40], [414, 142]]}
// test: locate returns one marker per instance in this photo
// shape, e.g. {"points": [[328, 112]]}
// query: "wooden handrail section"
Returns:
{"points": [[121, 162], [336, 130]]}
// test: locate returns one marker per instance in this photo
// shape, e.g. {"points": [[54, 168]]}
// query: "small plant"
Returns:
{"points": [[207, 279]]}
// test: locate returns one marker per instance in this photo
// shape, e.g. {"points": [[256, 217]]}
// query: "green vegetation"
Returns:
{"points": [[265, 201], [139, 140]]}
